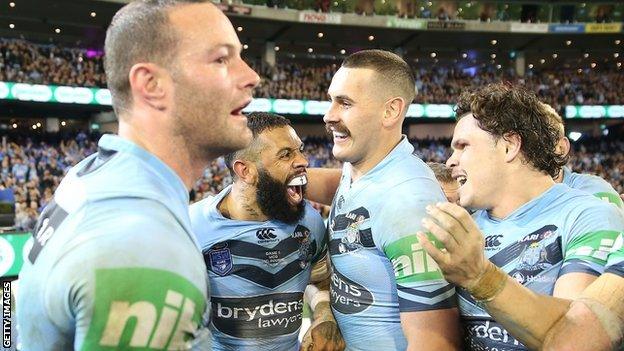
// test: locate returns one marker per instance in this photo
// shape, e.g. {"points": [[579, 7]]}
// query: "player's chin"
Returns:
{"points": [[341, 153]]}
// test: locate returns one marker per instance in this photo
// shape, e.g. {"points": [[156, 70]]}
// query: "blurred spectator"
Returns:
{"points": [[603, 13], [322, 5], [365, 7], [25, 62], [302, 81], [442, 15], [406, 8]]}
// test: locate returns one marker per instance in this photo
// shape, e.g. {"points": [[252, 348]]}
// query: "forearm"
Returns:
{"points": [[322, 184], [526, 315], [596, 319]]}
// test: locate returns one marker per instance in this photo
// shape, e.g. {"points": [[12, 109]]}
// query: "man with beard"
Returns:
{"points": [[387, 294], [114, 264], [262, 244], [528, 237]]}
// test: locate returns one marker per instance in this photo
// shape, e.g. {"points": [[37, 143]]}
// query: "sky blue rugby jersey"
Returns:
{"points": [[258, 272], [594, 185], [378, 267], [562, 231], [615, 261], [114, 264]]}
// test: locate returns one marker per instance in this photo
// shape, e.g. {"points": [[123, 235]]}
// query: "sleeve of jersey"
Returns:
{"points": [[420, 283], [320, 235], [601, 189], [590, 239], [615, 261], [113, 294]]}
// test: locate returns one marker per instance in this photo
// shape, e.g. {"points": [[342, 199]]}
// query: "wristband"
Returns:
{"points": [[314, 296], [489, 285]]}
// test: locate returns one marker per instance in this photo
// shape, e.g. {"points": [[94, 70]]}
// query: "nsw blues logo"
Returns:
{"points": [[220, 259]]}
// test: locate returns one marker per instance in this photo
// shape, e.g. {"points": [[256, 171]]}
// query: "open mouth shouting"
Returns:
{"points": [[461, 179], [294, 189]]}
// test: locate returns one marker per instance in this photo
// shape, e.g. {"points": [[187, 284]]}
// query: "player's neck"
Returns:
{"points": [[240, 204], [166, 148], [519, 190], [359, 169]]}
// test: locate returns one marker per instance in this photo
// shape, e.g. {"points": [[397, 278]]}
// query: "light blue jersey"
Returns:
{"points": [[378, 267], [615, 261], [592, 184], [562, 231], [258, 272], [114, 264]]}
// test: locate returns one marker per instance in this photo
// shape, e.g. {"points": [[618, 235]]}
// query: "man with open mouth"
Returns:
{"points": [[386, 293], [262, 244], [532, 246]]}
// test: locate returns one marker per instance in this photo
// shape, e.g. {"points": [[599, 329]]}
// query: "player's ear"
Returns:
{"points": [[512, 143], [245, 171], [393, 110], [150, 85]]}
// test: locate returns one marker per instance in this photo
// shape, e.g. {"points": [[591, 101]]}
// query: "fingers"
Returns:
{"points": [[459, 214], [446, 238], [306, 343], [326, 337], [440, 257]]}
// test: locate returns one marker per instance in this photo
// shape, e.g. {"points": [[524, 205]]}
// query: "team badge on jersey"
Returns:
{"points": [[540, 250], [341, 201], [306, 251], [220, 259]]}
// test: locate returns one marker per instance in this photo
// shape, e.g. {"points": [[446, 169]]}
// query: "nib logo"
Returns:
{"points": [[146, 332], [132, 309]]}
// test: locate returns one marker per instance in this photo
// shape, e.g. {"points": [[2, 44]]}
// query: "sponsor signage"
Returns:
{"points": [[347, 296], [52, 93], [566, 28], [603, 27], [594, 111], [94, 96], [518, 27], [451, 25], [258, 317], [14, 247], [396, 22], [235, 9], [317, 17]]}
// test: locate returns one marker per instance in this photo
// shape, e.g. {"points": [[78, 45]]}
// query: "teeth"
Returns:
{"points": [[340, 135], [299, 181], [461, 180]]}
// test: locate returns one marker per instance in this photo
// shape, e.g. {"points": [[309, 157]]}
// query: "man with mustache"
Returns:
{"points": [[262, 244], [114, 264], [528, 237], [386, 293]]}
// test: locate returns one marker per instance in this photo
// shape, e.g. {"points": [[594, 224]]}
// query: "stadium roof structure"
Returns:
{"points": [[83, 23]]}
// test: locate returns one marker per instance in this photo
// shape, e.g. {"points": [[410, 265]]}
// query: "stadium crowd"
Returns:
{"points": [[33, 169], [25, 62]]}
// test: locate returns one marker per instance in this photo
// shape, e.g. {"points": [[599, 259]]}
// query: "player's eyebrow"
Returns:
{"points": [[458, 142], [343, 98]]}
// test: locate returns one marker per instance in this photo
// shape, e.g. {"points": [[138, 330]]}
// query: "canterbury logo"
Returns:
{"points": [[492, 241], [266, 234]]}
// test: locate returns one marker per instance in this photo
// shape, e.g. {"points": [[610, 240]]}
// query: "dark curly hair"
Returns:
{"points": [[503, 109]]}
